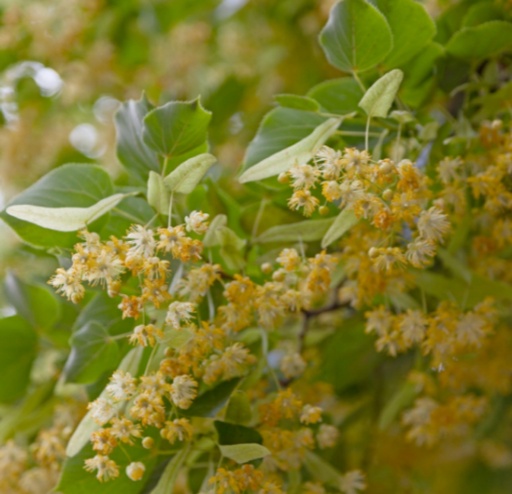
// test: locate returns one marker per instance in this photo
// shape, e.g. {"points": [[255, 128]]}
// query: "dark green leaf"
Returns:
{"points": [[210, 402], [236, 434], [129, 211], [483, 41], [17, 353], [176, 128], [71, 185], [137, 157], [339, 96], [35, 303], [93, 352], [357, 36], [239, 410], [412, 28], [306, 231]]}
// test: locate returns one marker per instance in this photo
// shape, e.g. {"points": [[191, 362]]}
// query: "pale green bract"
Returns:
{"points": [[378, 99], [64, 219], [300, 152]]}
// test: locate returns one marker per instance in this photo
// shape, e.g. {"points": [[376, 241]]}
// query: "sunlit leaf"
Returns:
{"points": [[242, 453], [186, 176], [341, 225], [64, 219], [301, 152], [356, 37], [158, 195], [380, 96], [71, 185]]}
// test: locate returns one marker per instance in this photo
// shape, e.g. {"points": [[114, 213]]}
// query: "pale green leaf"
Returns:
{"points": [[300, 152], [306, 231], [167, 481], [158, 196], [242, 453], [64, 219], [342, 224], [378, 99], [211, 239], [82, 434], [187, 175]]}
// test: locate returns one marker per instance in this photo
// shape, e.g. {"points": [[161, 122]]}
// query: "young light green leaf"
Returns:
{"points": [[158, 196], [242, 453], [300, 152], [187, 175], [64, 219], [378, 99], [342, 224], [357, 36], [307, 231], [82, 434], [168, 478], [211, 239]]}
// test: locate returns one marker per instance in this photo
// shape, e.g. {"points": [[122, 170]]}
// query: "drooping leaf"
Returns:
{"points": [[236, 434], [403, 398], [339, 96], [243, 453], [92, 353], [279, 129], [186, 176], [412, 29], [380, 96], [71, 185], [176, 128], [211, 401], [64, 219], [35, 303], [300, 152], [307, 231], [17, 353], [168, 478], [482, 41], [341, 224], [82, 434], [356, 37], [136, 156], [158, 195], [322, 470], [297, 102]]}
